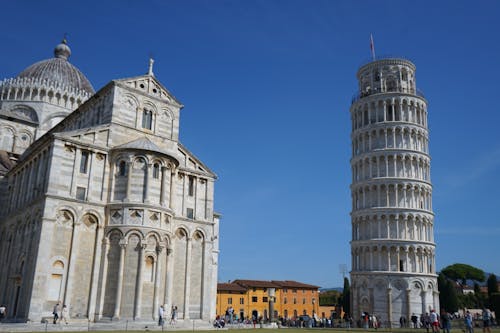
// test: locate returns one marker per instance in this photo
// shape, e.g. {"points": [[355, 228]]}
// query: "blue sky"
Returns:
{"points": [[267, 87]]}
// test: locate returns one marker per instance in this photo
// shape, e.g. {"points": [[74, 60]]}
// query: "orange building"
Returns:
{"points": [[254, 298]]}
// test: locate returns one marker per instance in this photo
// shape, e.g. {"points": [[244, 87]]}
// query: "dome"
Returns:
{"points": [[58, 70]]}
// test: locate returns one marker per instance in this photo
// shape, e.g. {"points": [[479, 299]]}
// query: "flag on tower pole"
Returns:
{"points": [[372, 47]]}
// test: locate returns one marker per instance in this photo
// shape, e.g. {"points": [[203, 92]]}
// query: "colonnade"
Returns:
{"points": [[33, 89], [156, 262], [390, 137], [28, 181], [397, 165], [379, 257], [155, 173], [405, 109], [393, 194], [394, 227]]}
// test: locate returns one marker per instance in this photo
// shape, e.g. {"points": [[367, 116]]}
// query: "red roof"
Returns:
{"points": [[256, 284], [295, 285], [230, 287]]}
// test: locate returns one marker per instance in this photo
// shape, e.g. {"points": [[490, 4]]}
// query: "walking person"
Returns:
{"points": [[64, 314], [160, 315], [55, 312], [469, 328], [173, 317]]}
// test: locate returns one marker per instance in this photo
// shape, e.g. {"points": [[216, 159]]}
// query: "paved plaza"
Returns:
{"points": [[119, 325]]}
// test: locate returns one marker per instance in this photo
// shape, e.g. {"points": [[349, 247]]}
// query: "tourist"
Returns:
{"points": [[160, 315], [414, 320], [173, 317], [425, 321], [55, 312], [402, 321], [445, 321], [64, 314], [3, 312], [434, 321], [486, 320], [468, 322]]}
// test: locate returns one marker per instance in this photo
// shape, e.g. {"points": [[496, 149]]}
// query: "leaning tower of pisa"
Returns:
{"points": [[393, 251]]}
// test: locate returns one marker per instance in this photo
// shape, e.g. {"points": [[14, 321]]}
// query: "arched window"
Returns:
{"points": [[156, 171], [148, 272], [56, 281], [147, 119], [122, 168]]}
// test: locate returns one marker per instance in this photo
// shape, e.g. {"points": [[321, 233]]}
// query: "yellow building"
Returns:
{"points": [[254, 298]]}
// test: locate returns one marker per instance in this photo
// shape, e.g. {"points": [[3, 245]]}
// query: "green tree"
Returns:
{"points": [[492, 284], [447, 294], [462, 272], [346, 297], [329, 298], [495, 304]]}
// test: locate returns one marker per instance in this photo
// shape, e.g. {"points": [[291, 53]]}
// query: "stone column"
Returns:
{"points": [[388, 259], [138, 286], [156, 293], [187, 290], [169, 277], [372, 300], [119, 283], [408, 305], [163, 197], [129, 180], [104, 276], [112, 172], [94, 284], [389, 307], [424, 305], [172, 190], [147, 182], [90, 174], [76, 162], [407, 262], [70, 276]]}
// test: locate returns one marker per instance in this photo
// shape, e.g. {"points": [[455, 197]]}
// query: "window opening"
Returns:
{"points": [[84, 161]]}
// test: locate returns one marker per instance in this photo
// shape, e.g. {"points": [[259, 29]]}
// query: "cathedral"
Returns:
{"points": [[103, 209]]}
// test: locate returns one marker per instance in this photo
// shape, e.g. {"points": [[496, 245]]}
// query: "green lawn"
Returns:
{"points": [[304, 330]]}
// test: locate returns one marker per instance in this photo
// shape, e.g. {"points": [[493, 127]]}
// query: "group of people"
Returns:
{"points": [[161, 315], [486, 317], [433, 321], [60, 314]]}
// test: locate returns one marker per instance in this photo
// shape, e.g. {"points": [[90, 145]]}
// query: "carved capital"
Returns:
{"points": [[123, 243], [160, 247]]}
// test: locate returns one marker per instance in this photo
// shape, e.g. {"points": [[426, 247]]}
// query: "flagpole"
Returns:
{"points": [[372, 47]]}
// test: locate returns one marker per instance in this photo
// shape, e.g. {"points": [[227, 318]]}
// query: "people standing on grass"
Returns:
{"points": [[445, 321], [486, 320], [468, 322], [434, 319], [414, 320]]}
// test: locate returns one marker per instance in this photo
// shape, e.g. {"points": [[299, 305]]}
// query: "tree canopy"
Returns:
{"points": [[462, 272], [346, 301], [492, 284]]}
